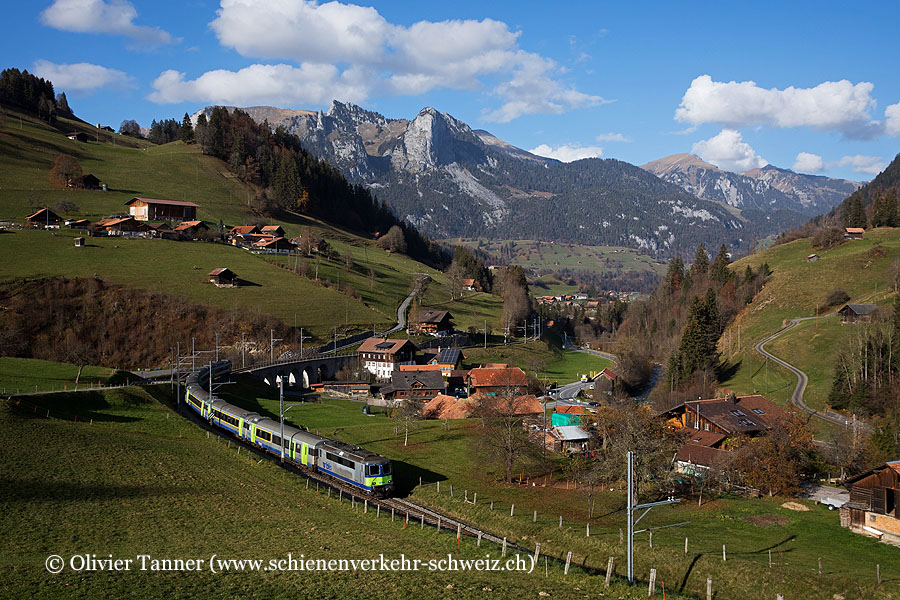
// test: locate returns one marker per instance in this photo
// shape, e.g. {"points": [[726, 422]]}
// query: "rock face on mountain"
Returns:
{"points": [[768, 189], [449, 180]]}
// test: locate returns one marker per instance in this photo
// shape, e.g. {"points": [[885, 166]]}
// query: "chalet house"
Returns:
{"points": [[697, 459], [447, 360], [243, 230], [497, 382], [854, 233], [273, 230], [730, 416], [78, 223], [77, 136], [43, 219], [606, 380], [381, 357], [277, 245], [191, 229], [152, 209], [874, 507], [468, 285], [90, 182], [123, 226], [852, 313], [420, 386], [161, 231], [435, 322], [223, 277]]}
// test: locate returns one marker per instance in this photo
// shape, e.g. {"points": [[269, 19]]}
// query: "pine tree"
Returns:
{"points": [[719, 271], [675, 275], [854, 214], [186, 133], [701, 263]]}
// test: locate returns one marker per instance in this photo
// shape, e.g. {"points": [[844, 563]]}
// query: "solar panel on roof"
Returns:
{"points": [[384, 345]]}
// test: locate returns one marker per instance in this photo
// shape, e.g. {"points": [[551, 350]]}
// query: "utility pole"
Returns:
{"points": [[272, 341], [631, 507], [334, 349], [243, 361], [193, 354], [485, 333]]}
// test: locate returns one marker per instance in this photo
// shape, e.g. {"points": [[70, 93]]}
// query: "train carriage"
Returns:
{"points": [[351, 464]]}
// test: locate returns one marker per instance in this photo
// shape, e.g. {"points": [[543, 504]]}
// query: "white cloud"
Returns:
{"points": [[729, 151], [832, 105], [567, 153], [80, 78], [342, 42], [808, 163], [892, 120], [612, 137], [260, 84], [813, 163], [869, 165], [97, 16]]}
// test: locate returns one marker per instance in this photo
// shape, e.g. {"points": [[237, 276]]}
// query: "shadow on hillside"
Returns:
{"points": [[33, 141], [728, 371], [699, 555], [406, 477], [245, 283], [39, 490]]}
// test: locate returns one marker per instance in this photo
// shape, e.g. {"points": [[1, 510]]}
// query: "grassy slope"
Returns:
{"points": [[564, 367], [142, 480], [436, 453], [33, 375], [798, 289], [181, 172]]}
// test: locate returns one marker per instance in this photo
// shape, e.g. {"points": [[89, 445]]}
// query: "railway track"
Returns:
{"points": [[400, 507]]}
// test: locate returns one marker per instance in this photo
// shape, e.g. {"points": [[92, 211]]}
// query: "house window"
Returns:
{"points": [[706, 427], [759, 411]]}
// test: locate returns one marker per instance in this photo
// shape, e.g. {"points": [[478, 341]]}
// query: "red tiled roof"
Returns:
{"points": [[187, 225], [498, 377], [571, 410], [855, 230], [245, 229], [168, 202], [371, 345]]}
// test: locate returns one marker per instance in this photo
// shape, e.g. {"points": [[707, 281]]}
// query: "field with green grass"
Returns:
{"points": [[798, 288], [563, 366], [748, 528], [28, 375], [132, 478]]}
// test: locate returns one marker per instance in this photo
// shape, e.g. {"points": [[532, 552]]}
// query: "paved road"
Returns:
{"points": [[802, 379], [401, 310]]}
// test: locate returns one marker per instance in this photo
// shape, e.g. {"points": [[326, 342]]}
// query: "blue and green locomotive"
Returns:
{"points": [[356, 466]]}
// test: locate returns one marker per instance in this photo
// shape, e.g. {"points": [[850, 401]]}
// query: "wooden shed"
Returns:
{"points": [[223, 277], [874, 507], [44, 218], [154, 209]]}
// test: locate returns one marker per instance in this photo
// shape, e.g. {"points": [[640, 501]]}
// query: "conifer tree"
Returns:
{"points": [[701, 263], [186, 133], [675, 275], [719, 270]]}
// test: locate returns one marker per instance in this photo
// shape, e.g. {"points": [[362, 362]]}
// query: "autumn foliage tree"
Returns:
{"points": [[65, 172]]}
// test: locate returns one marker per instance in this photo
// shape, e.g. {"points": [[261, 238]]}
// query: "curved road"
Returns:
{"points": [[802, 379]]}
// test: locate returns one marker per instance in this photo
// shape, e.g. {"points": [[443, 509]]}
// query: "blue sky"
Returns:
{"points": [[806, 85]]}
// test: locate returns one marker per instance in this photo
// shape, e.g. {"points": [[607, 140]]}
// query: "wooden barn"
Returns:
{"points": [[152, 209], [874, 507], [435, 322], [44, 218], [852, 313], [223, 277]]}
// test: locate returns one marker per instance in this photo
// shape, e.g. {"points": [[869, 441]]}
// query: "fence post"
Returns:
{"points": [[451, 489], [560, 521], [820, 565], [651, 539], [475, 498], [537, 551], [621, 537], [512, 509], [492, 505], [479, 539], [609, 570], [770, 559], [503, 552], [439, 486], [568, 560], [708, 588], [534, 518], [652, 588], [422, 526], [878, 573], [686, 545], [723, 553], [587, 532], [438, 528]]}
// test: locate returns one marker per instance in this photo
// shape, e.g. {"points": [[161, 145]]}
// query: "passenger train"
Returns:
{"points": [[354, 465]]}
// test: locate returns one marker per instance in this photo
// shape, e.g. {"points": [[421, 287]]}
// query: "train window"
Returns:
{"points": [[386, 468], [264, 435], [276, 440], [371, 470]]}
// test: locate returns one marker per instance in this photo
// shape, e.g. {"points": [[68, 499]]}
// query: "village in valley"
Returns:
{"points": [[434, 302]]}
